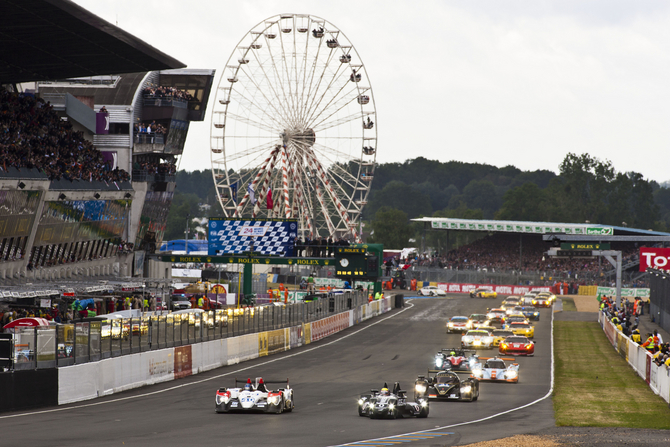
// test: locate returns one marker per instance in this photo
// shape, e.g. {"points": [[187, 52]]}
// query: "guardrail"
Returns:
{"points": [[657, 377], [90, 341]]}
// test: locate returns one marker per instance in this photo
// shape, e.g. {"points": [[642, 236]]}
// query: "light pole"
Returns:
{"points": [[188, 217]]}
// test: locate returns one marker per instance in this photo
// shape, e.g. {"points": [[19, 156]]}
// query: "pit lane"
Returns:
{"points": [[327, 378]]}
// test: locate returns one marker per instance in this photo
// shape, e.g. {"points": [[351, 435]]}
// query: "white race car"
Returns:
{"points": [[254, 397], [495, 370], [477, 339], [432, 291]]}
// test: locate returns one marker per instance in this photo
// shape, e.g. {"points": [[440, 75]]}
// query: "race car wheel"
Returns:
{"points": [[361, 413], [280, 408], [475, 398], [290, 407], [423, 413]]}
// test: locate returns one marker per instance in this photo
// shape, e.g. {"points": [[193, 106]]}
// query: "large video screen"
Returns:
{"points": [[273, 237]]}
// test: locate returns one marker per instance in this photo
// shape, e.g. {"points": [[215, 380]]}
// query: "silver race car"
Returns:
{"points": [[494, 369], [385, 404], [255, 397]]}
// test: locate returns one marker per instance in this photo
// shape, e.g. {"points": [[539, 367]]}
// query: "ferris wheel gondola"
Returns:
{"points": [[286, 137]]}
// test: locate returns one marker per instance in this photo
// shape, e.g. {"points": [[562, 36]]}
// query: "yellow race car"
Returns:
{"points": [[510, 302], [525, 329], [499, 335], [483, 293], [548, 296]]}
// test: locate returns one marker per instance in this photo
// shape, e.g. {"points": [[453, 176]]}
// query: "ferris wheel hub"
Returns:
{"points": [[298, 137]]}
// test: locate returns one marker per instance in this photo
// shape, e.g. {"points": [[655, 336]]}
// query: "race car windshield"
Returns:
{"points": [[459, 319], [516, 340], [478, 317], [497, 364], [521, 325], [447, 379]]}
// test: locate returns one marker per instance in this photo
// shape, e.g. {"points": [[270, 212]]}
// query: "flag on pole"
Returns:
{"points": [[252, 196], [269, 203], [233, 192]]}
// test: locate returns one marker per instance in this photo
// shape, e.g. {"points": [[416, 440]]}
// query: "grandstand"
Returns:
{"points": [[94, 121], [509, 249]]}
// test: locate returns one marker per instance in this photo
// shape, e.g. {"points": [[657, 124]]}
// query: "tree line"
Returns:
{"points": [[585, 189]]}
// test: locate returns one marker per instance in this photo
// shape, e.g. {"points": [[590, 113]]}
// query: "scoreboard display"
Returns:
{"points": [[358, 261], [269, 237]]}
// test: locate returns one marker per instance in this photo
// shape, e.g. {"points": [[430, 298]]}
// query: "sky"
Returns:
{"points": [[518, 83]]}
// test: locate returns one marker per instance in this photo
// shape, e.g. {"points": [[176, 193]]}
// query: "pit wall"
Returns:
{"points": [[657, 377], [502, 289], [109, 376]]}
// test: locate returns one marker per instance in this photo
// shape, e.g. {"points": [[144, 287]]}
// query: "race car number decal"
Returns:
{"points": [[233, 404]]}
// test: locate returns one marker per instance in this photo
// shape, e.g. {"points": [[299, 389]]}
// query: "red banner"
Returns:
{"points": [[655, 258], [501, 289]]}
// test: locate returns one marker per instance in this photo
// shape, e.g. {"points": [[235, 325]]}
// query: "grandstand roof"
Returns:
{"points": [[57, 39], [512, 226]]}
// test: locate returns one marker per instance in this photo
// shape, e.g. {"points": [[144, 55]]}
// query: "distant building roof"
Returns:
{"points": [[57, 39], [513, 226]]}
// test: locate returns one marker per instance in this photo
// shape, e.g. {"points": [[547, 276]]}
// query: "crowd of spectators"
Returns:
{"points": [[152, 128], [33, 136], [152, 165], [159, 91], [319, 247], [500, 253], [626, 318]]}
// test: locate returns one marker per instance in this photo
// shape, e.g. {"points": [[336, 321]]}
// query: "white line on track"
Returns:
{"points": [[551, 390], [121, 399]]}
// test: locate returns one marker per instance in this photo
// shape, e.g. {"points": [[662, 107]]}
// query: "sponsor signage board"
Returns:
{"points": [[658, 258], [584, 246], [247, 260]]}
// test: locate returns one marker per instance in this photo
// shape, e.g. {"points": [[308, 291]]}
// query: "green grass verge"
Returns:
{"points": [[569, 305], [595, 387]]}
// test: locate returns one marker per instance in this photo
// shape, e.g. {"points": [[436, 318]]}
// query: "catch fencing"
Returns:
{"points": [[657, 377], [92, 341]]}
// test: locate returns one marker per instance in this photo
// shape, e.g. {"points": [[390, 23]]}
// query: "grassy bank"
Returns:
{"points": [[568, 304], [596, 387]]}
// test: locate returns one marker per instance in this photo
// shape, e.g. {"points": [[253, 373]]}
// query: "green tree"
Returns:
{"points": [[184, 206], [524, 202], [400, 196], [391, 228]]}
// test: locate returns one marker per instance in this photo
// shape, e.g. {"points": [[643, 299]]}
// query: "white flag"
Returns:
{"points": [[252, 196]]}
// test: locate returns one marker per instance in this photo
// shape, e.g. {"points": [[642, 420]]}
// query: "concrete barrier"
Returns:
{"points": [[657, 377]]}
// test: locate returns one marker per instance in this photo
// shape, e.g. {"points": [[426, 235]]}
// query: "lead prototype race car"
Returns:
{"points": [[255, 398], [446, 385], [455, 359], [385, 404]]}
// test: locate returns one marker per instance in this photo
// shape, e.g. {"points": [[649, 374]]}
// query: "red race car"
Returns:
{"points": [[517, 345]]}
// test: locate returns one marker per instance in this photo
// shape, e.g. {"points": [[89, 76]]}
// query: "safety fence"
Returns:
{"points": [[657, 377], [91, 341], [116, 374]]}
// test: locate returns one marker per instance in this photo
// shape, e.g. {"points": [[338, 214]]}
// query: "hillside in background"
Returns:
{"points": [[584, 189]]}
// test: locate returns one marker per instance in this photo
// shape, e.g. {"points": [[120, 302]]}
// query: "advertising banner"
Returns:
{"points": [[625, 292], [658, 258], [501, 289], [102, 123]]}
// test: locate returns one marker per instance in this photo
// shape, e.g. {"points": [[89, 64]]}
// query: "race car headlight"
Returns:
{"points": [[466, 389], [391, 406], [534, 302], [529, 346], [424, 403], [510, 374], [450, 324], [478, 373], [361, 401], [469, 325], [438, 362], [467, 338], [503, 345], [420, 388], [274, 400], [472, 362]]}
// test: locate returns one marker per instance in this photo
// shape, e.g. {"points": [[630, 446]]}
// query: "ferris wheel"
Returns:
{"points": [[293, 131]]}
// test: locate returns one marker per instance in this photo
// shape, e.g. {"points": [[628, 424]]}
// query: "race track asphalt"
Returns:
{"points": [[327, 378]]}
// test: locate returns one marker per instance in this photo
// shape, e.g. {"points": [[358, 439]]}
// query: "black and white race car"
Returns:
{"points": [[378, 404], [254, 397], [446, 385]]}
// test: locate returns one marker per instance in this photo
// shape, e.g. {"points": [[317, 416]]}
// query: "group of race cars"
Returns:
{"points": [[508, 328]]}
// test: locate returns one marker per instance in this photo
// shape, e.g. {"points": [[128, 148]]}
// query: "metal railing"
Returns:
{"points": [[164, 101], [90, 341], [149, 138]]}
